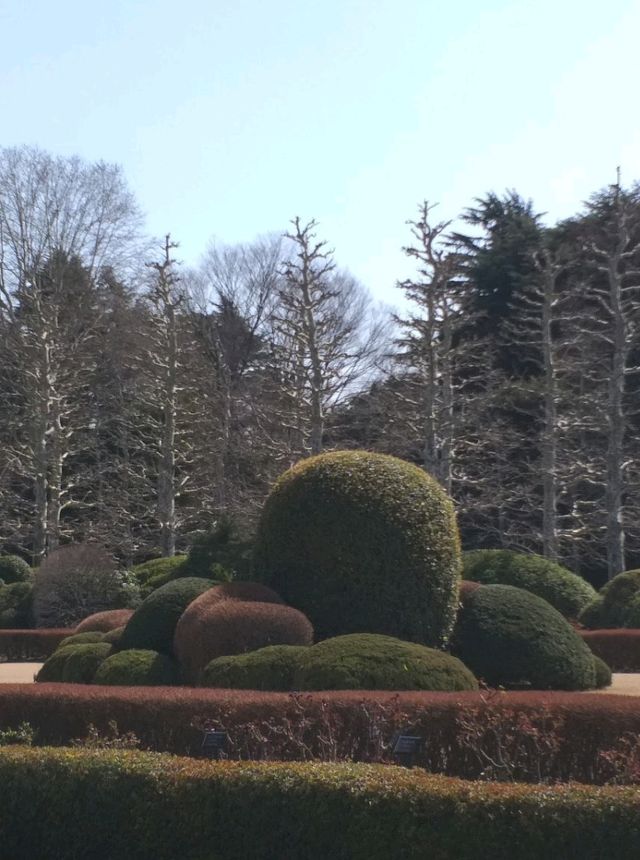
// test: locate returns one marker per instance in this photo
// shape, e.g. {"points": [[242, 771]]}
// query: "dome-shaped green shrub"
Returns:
{"points": [[105, 621], [14, 569], [83, 661], [565, 591], [16, 606], [53, 667], [138, 668], [367, 661], [593, 615], [88, 637], [152, 625], [512, 638], [362, 542], [270, 669], [613, 606], [602, 672]]}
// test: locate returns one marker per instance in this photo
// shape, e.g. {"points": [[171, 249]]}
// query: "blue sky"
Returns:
{"points": [[229, 118]]}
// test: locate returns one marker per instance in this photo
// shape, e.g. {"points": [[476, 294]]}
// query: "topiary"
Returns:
{"points": [[105, 621], [602, 673], [593, 614], [152, 625], [612, 606], [512, 638], [565, 591], [155, 569], [83, 661], [53, 667], [362, 542], [206, 631], [632, 612], [87, 637], [113, 637], [138, 668], [367, 661], [270, 669], [16, 604], [220, 553], [14, 569]]}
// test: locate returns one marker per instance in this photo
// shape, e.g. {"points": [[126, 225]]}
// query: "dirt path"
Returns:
{"points": [[18, 673]]}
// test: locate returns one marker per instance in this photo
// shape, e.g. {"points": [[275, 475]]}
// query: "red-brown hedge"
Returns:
{"points": [[103, 622], [171, 718], [207, 630], [466, 588], [619, 648], [22, 645]]}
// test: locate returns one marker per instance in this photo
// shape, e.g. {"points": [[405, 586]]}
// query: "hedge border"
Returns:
{"points": [[105, 804], [619, 647], [19, 646]]}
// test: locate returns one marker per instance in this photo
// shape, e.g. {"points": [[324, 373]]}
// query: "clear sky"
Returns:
{"points": [[232, 116]]}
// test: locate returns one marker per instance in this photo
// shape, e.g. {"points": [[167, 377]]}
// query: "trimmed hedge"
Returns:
{"points": [[156, 568], [234, 627], [86, 638], [83, 662], [620, 649], [271, 668], [366, 661], [14, 569], [362, 542], [52, 669], [105, 621], [16, 606], [510, 637], [138, 668], [603, 673], [26, 645], [565, 591], [105, 804], [616, 605], [152, 625]]}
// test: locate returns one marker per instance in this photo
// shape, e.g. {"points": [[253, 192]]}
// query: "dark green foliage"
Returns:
{"points": [[88, 637], [221, 553], [362, 542], [271, 668], [14, 569], [367, 661], [512, 638], [16, 603], [153, 624], [113, 637], [83, 661], [53, 667], [565, 591], [158, 571], [138, 668], [603, 673], [615, 606]]}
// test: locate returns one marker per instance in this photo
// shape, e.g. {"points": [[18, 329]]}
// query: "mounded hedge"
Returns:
{"points": [[152, 625], [52, 670], [617, 604], [14, 569], [105, 621], [16, 605], [270, 668], [138, 668], [510, 637], [565, 591], [156, 568], [227, 627], [366, 661], [144, 806], [362, 542], [85, 638], [83, 662]]}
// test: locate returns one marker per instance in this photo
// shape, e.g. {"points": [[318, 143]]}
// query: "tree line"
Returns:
{"points": [[140, 400]]}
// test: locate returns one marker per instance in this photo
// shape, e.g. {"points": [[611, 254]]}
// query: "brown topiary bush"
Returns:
{"points": [[105, 621], [216, 629], [466, 589]]}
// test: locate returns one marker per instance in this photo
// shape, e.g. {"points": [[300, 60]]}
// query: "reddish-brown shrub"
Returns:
{"points": [[102, 622], [23, 645], [619, 648], [466, 588]]}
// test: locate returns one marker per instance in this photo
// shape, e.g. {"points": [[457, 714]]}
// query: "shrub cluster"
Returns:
{"points": [[362, 543], [151, 806], [138, 668], [271, 668], [14, 569], [617, 604], [565, 591]]}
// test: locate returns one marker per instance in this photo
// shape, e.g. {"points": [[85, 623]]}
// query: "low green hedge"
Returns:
{"points": [[138, 668], [102, 805], [83, 661], [270, 668]]}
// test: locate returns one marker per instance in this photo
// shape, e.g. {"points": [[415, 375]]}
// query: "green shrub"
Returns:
{"points": [[157, 569], [565, 591], [603, 673], [14, 569], [271, 668], [368, 661], [632, 613], [81, 665], [113, 637], [138, 668], [613, 606], [362, 542], [53, 667], [512, 638], [88, 637], [152, 625], [16, 605], [221, 553]]}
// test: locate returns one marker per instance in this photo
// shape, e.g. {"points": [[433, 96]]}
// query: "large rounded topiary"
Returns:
{"points": [[16, 604], [105, 621], [138, 668], [14, 569], [233, 627], [512, 638], [152, 625], [270, 669], [614, 605], [83, 661], [564, 590], [362, 542], [53, 667], [366, 661]]}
